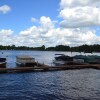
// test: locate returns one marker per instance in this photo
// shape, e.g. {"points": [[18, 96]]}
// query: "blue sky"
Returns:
{"points": [[49, 22], [22, 10]]}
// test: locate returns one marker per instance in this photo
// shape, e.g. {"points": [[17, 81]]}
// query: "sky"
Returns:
{"points": [[35, 23]]}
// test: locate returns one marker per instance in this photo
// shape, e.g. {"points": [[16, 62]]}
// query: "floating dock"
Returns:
{"points": [[48, 68]]}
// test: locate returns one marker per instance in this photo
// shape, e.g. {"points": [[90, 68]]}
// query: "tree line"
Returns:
{"points": [[81, 48]]}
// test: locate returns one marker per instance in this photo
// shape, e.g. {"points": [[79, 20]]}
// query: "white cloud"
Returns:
{"points": [[75, 3], [6, 37], [5, 9], [33, 36], [4, 32], [46, 22], [47, 34], [80, 13], [76, 14], [80, 17], [37, 36], [30, 31]]}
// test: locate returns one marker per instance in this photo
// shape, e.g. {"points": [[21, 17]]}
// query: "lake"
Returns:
{"points": [[81, 84]]}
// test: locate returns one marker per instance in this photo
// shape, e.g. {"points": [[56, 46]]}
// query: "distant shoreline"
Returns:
{"points": [[45, 50], [82, 48]]}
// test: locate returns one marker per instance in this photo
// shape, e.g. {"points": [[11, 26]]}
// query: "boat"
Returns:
{"points": [[94, 59], [90, 59], [58, 62], [79, 58], [61, 59], [25, 61], [2, 62]]}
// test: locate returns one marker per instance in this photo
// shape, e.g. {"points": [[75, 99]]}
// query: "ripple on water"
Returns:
{"points": [[56, 85]]}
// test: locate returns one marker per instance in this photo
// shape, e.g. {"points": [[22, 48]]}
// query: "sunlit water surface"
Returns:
{"points": [[54, 85]]}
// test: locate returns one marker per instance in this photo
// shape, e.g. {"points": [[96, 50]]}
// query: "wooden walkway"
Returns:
{"points": [[48, 68]]}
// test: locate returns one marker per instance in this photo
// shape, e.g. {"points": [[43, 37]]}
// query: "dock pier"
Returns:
{"points": [[48, 68]]}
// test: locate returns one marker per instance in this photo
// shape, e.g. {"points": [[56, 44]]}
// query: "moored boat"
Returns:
{"points": [[61, 59], [25, 61], [90, 59], [2, 62], [94, 59]]}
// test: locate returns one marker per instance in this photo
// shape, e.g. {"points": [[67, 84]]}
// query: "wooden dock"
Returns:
{"points": [[48, 68]]}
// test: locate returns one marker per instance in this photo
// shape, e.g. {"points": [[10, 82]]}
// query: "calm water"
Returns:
{"points": [[54, 85]]}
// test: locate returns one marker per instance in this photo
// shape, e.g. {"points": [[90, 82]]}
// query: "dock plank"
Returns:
{"points": [[49, 68]]}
